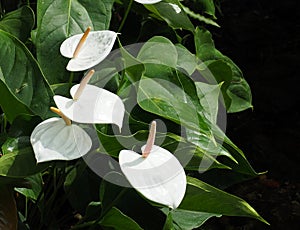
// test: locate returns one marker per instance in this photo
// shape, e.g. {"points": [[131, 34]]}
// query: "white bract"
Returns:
{"points": [[87, 49], [148, 1], [91, 104], [53, 139], [157, 175]]}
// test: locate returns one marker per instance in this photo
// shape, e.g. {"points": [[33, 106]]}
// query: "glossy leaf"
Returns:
{"points": [[172, 13], [202, 197], [10, 105], [151, 52], [18, 160], [185, 219], [238, 90], [209, 99], [36, 184], [18, 23], [74, 17], [23, 77], [117, 220]]}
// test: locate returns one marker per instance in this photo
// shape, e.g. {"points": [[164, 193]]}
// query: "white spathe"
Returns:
{"points": [[94, 50], [158, 177], [148, 1], [94, 106], [54, 140]]}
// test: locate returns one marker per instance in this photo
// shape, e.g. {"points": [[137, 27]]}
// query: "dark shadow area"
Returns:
{"points": [[263, 38]]}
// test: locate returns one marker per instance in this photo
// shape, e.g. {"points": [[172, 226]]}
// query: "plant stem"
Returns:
{"points": [[125, 15], [71, 79]]}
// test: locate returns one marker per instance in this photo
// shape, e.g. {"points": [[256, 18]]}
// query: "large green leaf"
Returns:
{"points": [[185, 219], [18, 23], [237, 93], [10, 105], [190, 155], [60, 19], [172, 13], [202, 197], [22, 77], [118, 220], [209, 99], [18, 160], [8, 209]]}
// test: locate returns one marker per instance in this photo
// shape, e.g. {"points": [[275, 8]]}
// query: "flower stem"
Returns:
{"points": [[125, 15], [83, 83], [151, 139], [71, 79]]}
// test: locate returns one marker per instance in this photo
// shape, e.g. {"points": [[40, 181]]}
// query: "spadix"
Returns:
{"points": [[53, 139], [87, 49], [157, 175]]}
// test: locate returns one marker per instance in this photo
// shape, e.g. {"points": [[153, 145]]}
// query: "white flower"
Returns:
{"points": [[88, 49], [148, 1], [91, 104], [58, 139], [156, 174]]}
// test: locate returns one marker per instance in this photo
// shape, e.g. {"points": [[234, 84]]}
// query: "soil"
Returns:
{"points": [[262, 37]]}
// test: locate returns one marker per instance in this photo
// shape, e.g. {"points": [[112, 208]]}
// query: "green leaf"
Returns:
{"points": [[237, 89], [8, 213], [158, 50], [206, 6], [202, 197], [172, 13], [186, 60], [186, 220], [199, 17], [117, 220], [23, 78], [18, 160], [18, 23], [134, 67], [60, 19], [36, 184], [10, 105], [209, 99]]}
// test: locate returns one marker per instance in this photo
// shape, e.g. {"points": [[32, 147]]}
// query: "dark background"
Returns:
{"points": [[262, 37]]}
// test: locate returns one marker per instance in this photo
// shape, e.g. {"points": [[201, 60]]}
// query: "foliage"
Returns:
{"points": [[157, 81]]}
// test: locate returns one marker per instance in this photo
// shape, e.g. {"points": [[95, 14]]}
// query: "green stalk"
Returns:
{"points": [[71, 79], [125, 15]]}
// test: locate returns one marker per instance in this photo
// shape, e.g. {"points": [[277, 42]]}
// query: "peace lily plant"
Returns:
{"points": [[72, 196], [156, 174], [58, 138]]}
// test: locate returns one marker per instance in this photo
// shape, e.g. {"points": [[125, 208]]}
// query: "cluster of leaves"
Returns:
{"points": [[60, 194]]}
